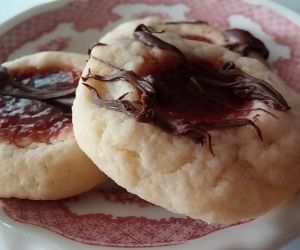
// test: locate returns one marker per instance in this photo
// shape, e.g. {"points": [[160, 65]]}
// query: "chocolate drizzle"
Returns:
{"points": [[186, 22], [238, 40], [51, 93], [35, 104], [191, 98], [244, 42], [95, 45], [143, 34]]}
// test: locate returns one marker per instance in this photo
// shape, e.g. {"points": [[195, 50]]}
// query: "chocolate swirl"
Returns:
{"points": [[143, 34], [192, 98], [95, 45], [244, 42], [237, 40], [50, 91], [186, 22]]}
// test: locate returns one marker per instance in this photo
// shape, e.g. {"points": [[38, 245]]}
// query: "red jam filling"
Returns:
{"points": [[179, 98], [30, 119], [25, 119], [192, 96]]}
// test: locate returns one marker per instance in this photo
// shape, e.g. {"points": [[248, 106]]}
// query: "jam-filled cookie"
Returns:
{"points": [[190, 126], [40, 158]]}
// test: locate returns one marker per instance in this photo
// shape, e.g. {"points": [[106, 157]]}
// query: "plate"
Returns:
{"points": [[109, 217]]}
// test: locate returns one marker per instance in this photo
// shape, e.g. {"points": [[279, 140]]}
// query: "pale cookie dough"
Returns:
{"points": [[47, 171], [247, 176]]}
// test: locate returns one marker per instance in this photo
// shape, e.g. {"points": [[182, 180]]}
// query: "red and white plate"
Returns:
{"points": [[109, 217]]}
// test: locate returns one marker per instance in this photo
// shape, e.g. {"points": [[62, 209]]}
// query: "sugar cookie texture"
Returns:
{"points": [[244, 179], [52, 170]]}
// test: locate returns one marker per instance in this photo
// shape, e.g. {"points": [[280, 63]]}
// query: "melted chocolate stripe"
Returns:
{"points": [[228, 123], [11, 87], [244, 42], [204, 85], [146, 115], [106, 63], [143, 27], [143, 35], [238, 40], [186, 22], [259, 89], [40, 95], [245, 86], [128, 76], [4, 75], [115, 105], [95, 45], [195, 130]]}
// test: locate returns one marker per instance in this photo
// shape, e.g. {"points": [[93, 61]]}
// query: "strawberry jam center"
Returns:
{"points": [[27, 114]]}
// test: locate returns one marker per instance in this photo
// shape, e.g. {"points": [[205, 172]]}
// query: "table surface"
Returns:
{"points": [[14, 7]]}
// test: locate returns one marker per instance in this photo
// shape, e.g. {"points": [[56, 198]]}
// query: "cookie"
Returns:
{"points": [[237, 40], [39, 156], [189, 126]]}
